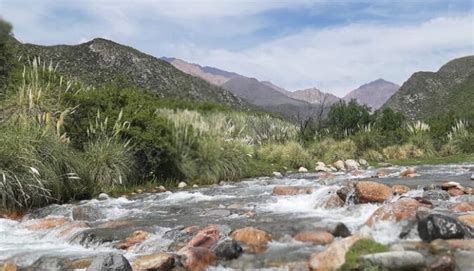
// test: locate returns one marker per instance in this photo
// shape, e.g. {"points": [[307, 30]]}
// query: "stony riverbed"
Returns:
{"points": [[298, 221]]}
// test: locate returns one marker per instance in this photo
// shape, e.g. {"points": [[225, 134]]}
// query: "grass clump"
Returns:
{"points": [[291, 154], [360, 248], [329, 150]]}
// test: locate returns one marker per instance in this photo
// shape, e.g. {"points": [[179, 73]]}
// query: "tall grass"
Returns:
{"points": [[460, 140], [291, 154]]}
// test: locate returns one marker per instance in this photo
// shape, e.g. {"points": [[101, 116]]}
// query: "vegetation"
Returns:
{"points": [[360, 248]]}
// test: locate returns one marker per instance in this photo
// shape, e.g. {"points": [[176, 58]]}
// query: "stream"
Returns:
{"points": [[230, 205]]}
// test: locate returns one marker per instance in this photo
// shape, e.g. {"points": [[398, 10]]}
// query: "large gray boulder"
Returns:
{"points": [[396, 260], [438, 226], [110, 262]]}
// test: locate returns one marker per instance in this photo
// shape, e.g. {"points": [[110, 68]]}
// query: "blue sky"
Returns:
{"points": [[330, 44]]}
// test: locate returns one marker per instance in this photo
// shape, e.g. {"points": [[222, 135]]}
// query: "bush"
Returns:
{"points": [[330, 150], [290, 154], [405, 151], [372, 155], [460, 138], [368, 138]]}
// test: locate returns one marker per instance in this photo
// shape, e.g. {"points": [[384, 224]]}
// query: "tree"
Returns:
{"points": [[344, 119], [6, 54], [389, 120]]}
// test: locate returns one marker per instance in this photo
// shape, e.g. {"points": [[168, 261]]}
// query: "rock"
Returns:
{"points": [[346, 191], [9, 266], [339, 165], [206, 237], [191, 229], [103, 196], [400, 189], [408, 172], [46, 223], [402, 209], [86, 213], [396, 260], [182, 185], [440, 245], [81, 263], [195, 186], [161, 189], [331, 202], [472, 177], [254, 238], [320, 164], [228, 250], [363, 162], [334, 256], [302, 170], [218, 212], [351, 164], [444, 263], [277, 174], [136, 237], [448, 185], [71, 228], [467, 220], [315, 237], [454, 192], [110, 262], [463, 207], [381, 173], [322, 169], [291, 190], [436, 195], [369, 192], [158, 261], [197, 258], [437, 226]]}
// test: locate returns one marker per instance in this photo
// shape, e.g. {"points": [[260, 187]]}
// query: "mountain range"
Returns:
{"points": [[373, 94]]}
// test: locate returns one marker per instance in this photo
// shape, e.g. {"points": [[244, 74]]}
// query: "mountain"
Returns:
{"points": [[427, 94], [373, 94], [277, 88], [100, 61], [314, 96]]}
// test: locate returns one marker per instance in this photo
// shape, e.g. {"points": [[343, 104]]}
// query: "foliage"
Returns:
{"points": [[344, 118], [291, 154], [360, 248], [330, 150], [6, 53], [460, 138]]}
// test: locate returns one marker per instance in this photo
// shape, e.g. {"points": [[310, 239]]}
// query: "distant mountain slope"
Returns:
{"points": [[100, 61], [373, 94], [426, 94], [314, 96]]}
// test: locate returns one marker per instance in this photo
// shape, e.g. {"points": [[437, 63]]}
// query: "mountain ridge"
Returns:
{"points": [[373, 94]]}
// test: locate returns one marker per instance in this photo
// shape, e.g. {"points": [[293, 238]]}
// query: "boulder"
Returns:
{"points": [[369, 192], [9, 266], [363, 162], [443, 263], [408, 172], [182, 185], [396, 260], [462, 207], [157, 261], [195, 186], [103, 196], [196, 258], [400, 189], [351, 164], [86, 213], [277, 174], [255, 239], [472, 177], [46, 223], [315, 237], [402, 209], [339, 165], [136, 237], [291, 190], [448, 185], [302, 170], [346, 191], [438, 226], [321, 167], [228, 250], [110, 262], [381, 173], [206, 237], [330, 202], [334, 256], [436, 195], [467, 220], [440, 245], [454, 192]]}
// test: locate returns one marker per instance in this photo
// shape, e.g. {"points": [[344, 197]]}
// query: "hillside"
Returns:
{"points": [[426, 94], [373, 94], [100, 61], [314, 96]]}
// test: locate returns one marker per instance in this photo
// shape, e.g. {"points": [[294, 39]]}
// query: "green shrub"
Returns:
{"points": [[460, 138], [291, 154], [366, 138], [372, 155], [330, 150]]}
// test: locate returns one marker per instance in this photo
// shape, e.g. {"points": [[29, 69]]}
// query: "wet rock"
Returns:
{"points": [[291, 190], [81, 263], [71, 228], [400, 189], [235, 206], [195, 186], [363, 162], [368, 192], [86, 213], [330, 202], [103, 196], [454, 192], [13, 215], [346, 192], [110, 262], [9, 266], [436, 195], [448, 185], [302, 170], [321, 167], [439, 245], [197, 258], [381, 173], [158, 261], [339, 165], [432, 187], [228, 250], [182, 185], [137, 237], [277, 174], [472, 177], [437, 226], [443, 263], [315, 237], [206, 237], [46, 223], [467, 220], [402, 209], [463, 207], [334, 256], [254, 238], [191, 229], [408, 172], [351, 164], [218, 212], [396, 260]]}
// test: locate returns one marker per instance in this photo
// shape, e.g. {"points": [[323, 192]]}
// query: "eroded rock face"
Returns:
{"points": [[158, 261], [371, 192], [291, 190], [255, 239], [402, 209], [315, 237], [437, 226], [228, 250], [197, 258], [397, 260], [110, 262], [334, 256]]}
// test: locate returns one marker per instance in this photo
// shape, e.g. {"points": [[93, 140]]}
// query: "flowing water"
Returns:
{"points": [[229, 205]]}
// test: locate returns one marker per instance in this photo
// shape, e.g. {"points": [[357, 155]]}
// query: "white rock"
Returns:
{"points": [[277, 174], [103, 196], [351, 164], [363, 162], [302, 169], [410, 260], [472, 177], [339, 164], [195, 185], [333, 169], [182, 184], [320, 164], [320, 168]]}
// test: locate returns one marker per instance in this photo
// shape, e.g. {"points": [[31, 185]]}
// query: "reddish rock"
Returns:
{"points": [[206, 237], [444, 263], [291, 190], [367, 191], [463, 207], [331, 202], [400, 189], [115, 224], [71, 228], [381, 173], [46, 223], [402, 209], [408, 172], [197, 258], [439, 245], [82, 263], [157, 261], [136, 237], [334, 256], [191, 229], [9, 266], [315, 237], [254, 238], [454, 192], [467, 219], [326, 176]]}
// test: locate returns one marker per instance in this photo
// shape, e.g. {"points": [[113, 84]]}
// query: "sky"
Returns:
{"points": [[333, 45]]}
